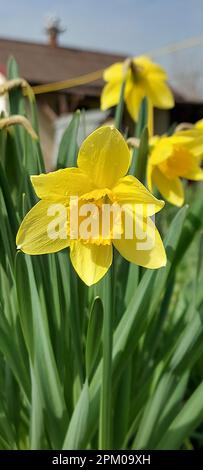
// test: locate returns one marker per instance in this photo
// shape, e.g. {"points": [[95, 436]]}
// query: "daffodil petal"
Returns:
{"points": [[199, 124], [104, 156], [135, 250], [129, 190], [193, 141], [61, 184], [159, 93], [196, 173], [171, 189], [161, 151], [133, 99], [151, 67], [114, 73], [110, 95], [182, 138], [90, 261], [33, 235]]}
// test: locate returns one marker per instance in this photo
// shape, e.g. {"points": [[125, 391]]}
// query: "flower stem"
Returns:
{"points": [[106, 389], [120, 108]]}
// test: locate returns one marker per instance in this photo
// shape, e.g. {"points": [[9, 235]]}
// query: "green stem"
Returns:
{"points": [[142, 119], [108, 286], [120, 108], [140, 132], [74, 317]]}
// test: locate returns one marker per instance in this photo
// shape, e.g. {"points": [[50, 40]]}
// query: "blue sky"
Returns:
{"points": [[127, 26]]}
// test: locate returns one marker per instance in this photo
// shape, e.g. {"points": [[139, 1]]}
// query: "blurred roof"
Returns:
{"points": [[42, 63]]}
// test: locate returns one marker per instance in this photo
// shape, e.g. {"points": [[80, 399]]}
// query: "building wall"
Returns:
{"points": [[161, 121]]}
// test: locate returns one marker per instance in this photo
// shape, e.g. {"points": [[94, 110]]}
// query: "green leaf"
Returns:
{"points": [[181, 360], [105, 418], [93, 341], [133, 323], [140, 163], [74, 319], [122, 408], [12, 353], [13, 219], [76, 431], [185, 422], [170, 410], [16, 99], [68, 147], [142, 118], [39, 347], [193, 223], [171, 244], [36, 421], [120, 107], [7, 435]]}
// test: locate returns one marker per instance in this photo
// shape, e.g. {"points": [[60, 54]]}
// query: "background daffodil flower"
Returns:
{"points": [[143, 78], [199, 124], [103, 162], [172, 158]]}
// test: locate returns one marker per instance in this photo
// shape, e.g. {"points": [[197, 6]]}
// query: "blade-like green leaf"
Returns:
{"points": [[185, 422], [76, 431], [68, 147], [93, 341]]}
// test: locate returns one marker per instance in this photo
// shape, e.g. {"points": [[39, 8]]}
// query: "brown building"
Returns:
{"points": [[42, 63]]}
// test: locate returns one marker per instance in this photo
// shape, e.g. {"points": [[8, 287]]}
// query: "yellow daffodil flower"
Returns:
{"points": [[103, 162], [172, 158], [143, 78], [199, 124]]}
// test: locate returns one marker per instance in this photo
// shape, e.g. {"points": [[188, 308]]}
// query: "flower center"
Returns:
{"points": [[179, 163], [136, 72], [95, 217]]}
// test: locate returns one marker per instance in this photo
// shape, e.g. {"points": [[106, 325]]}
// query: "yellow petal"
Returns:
{"points": [[104, 156], [192, 139], [129, 190], [61, 184], [196, 146], [133, 100], [154, 140], [183, 163], [110, 95], [114, 73], [159, 93], [171, 189], [132, 249], [32, 237], [90, 261], [150, 67], [161, 151], [195, 173], [97, 194], [199, 124]]}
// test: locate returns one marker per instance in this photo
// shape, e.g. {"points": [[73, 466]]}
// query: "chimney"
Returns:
{"points": [[53, 29]]}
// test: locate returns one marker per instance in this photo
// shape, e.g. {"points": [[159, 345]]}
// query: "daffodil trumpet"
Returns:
{"points": [[99, 180]]}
